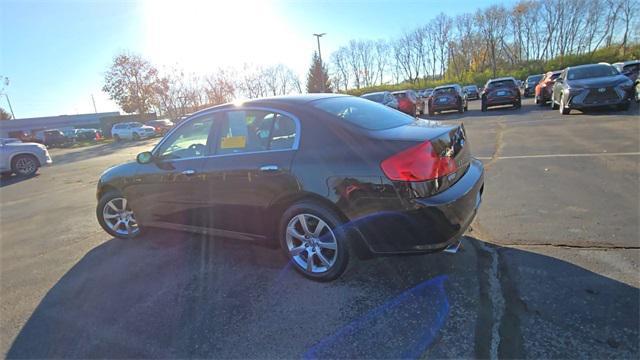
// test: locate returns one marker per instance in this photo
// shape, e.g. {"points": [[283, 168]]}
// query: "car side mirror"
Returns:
{"points": [[144, 157]]}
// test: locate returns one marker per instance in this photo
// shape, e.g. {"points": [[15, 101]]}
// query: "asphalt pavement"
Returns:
{"points": [[550, 268]]}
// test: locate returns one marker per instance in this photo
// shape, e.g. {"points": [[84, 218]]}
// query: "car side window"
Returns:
{"points": [[190, 140], [283, 135], [244, 131]]}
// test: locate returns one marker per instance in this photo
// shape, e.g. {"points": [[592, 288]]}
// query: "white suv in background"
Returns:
{"points": [[20, 158], [132, 131]]}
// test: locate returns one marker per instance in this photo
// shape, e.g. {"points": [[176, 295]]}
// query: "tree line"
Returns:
{"points": [[490, 41], [137, 86]]}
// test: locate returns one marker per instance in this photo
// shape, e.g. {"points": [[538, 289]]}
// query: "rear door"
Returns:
{"points": [[251, 168]]}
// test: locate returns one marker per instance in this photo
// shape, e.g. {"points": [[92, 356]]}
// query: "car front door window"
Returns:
{"points": [[190, 141]]}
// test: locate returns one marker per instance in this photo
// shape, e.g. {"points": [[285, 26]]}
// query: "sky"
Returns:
{"points": [[55, 53]]}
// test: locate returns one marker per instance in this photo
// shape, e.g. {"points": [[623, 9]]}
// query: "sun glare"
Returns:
{"points": [[201, 36]]}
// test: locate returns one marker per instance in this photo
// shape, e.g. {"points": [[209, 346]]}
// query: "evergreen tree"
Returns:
{"points": [[318, 77]]}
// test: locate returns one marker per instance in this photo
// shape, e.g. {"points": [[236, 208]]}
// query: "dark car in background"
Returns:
{"points": [[544, 88], [52, 138], [382, 97], [447, 97], [161, 126], [409, 102], [499, 92], [529, 85], [472, 91], [326, 177], [631, 69], [588, 86]]}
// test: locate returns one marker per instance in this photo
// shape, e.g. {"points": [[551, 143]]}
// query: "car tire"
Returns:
{"points": [[135, 137], [25, 165], [483, 107], [460, 109], [329, 249], [123, 214], [116, 138], [554, 106]]}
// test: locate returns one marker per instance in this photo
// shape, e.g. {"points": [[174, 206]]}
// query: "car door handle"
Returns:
{"points": [[269, 168], [188, 172]]}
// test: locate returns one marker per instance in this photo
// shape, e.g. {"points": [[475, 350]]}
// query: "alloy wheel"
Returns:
{"points": [[25, 166], [311, 243], [119, 217]]}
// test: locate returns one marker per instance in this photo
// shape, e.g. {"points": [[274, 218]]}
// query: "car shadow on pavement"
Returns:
{"points": [[98, 150], [14, 179], [177, 295]]}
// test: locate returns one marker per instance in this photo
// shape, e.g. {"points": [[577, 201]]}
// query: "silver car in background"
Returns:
{"points": [[20, 158]]}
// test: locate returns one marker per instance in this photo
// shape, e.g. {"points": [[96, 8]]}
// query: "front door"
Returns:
{"points": [[250, 169], [170, 189]]}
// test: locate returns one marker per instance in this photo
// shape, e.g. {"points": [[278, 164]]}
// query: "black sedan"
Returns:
{"points": [[326, 177], [588, 86]]}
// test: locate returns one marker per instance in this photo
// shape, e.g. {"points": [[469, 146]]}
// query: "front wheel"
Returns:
{"points": [[116, 217], [24, 165], [314, 241]]}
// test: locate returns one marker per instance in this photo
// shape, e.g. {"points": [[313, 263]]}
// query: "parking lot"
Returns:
{"points": [[550, 268]]}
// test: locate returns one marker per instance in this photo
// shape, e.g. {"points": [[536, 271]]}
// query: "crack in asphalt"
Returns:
{"points": [[499, 143]]}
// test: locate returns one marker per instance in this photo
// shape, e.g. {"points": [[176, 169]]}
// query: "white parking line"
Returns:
{"points": [[560, 155]]}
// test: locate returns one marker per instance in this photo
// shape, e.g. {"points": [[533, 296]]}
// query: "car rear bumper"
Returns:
{"points": [[501, 101], [428, 224], [442, 107]]}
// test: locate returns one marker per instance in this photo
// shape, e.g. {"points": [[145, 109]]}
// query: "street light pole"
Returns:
{"points": [[318, 36]]}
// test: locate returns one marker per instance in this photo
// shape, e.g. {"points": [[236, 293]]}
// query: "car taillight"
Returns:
{"points": [[418, 163]]}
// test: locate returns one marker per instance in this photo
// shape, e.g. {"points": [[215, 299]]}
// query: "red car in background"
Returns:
{"points": [[409, 102], [544, 89]]}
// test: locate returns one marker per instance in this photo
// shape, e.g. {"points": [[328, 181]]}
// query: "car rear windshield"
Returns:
{"points": [[363, 113], [534, 79], [374, 97], [444, 91], [471, 87], [501, 83], [592, 71]]}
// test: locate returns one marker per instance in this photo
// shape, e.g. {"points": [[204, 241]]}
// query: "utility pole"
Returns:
{"points": [[318, 36], [94, 104], [10, 107], [5, 84]]}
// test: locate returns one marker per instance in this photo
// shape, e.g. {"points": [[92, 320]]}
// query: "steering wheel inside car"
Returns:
{"points": [[198, 149]]}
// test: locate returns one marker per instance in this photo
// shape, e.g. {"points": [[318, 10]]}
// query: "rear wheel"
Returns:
{"points": [[554, 106], [116, 217], [24, 165], [483, 107], [314, 241], [116, 138], [460, 108], [518, 104], [135, 136]]}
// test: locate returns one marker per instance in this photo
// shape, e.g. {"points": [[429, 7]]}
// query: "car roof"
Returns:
{"points": [[445, 86], [502, 79], [375, 93], [586, 66], [273, 100]]}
